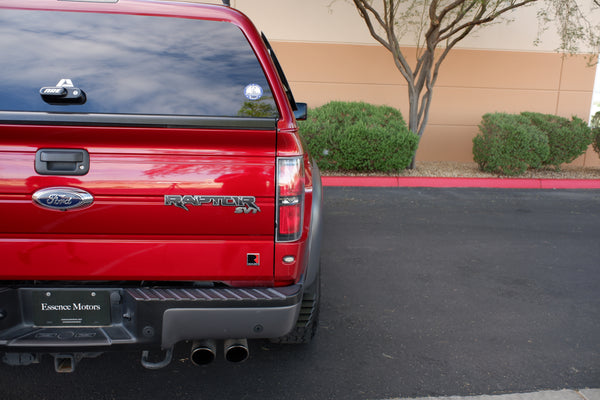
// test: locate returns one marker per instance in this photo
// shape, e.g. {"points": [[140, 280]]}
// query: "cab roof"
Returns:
{"points": [[181, 9]]}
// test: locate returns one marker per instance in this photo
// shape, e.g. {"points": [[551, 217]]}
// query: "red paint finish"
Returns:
{"points": [[130, 232], [123, 258], [129, 182]]}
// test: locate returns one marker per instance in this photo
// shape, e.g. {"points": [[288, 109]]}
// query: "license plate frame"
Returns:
{"points": [[52, 308]]}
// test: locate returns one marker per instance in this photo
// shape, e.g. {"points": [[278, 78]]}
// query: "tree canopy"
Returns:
{"points": [[439, 25]]}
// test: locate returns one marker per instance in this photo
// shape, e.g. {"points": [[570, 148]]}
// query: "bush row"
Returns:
{"points": [[354, 136], [362, 137], [511, 143]]}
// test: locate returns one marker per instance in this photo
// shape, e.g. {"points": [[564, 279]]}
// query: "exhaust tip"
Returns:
{"points": [[203, 352], [236, 350]]}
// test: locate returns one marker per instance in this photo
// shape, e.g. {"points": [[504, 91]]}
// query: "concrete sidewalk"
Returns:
{"points": [[583, 394]]}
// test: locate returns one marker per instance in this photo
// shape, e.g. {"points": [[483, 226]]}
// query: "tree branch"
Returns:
{"points": [[392, 45], [364, 8], [483, 20], [451, 7], [458, 18]]}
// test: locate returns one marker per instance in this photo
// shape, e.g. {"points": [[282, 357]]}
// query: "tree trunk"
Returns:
{"points": [[413, 117]]}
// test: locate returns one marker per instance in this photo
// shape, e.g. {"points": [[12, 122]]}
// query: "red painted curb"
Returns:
{"points": [[501, 183]]}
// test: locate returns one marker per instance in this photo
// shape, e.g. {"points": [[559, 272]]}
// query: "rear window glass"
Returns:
{"points": [[129, 64]]}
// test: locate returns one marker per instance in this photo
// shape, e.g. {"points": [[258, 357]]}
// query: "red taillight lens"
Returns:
{"points": [[290, 198], [290, 222]]}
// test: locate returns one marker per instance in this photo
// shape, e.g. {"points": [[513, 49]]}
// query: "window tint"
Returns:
{"points": [[130, 64]]}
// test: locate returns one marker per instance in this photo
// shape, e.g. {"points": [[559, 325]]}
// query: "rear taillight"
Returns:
{"points": [[290, 198]]}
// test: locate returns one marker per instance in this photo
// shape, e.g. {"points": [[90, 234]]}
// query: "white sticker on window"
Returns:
{"points": [[253, 91], [65, 83]]}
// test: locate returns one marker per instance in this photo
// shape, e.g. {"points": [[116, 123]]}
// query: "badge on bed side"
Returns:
{"points": [[242, 204]]}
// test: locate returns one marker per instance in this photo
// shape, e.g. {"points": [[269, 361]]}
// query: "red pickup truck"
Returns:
{"points": [[153, 186]]}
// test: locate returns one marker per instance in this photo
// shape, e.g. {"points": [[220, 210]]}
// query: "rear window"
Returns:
{"points": [[129, 64]]}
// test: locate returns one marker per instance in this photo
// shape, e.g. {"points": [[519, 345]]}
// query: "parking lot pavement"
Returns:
{"points": [[426, 292], [465, 291], [586, 394]]}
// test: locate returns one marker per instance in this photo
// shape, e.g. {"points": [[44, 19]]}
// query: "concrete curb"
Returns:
{"points": [[584, 394], [500, 183]]}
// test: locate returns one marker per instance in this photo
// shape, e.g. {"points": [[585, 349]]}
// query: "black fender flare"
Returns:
{"points": [[316, 232]]}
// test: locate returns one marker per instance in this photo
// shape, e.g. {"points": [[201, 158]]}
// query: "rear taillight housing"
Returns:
{"points": [[290, 198]]}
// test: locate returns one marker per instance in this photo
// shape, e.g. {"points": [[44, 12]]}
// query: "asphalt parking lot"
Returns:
{"points": [[427, 292]]}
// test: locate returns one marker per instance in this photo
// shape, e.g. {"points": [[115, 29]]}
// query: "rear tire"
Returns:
{"points": [[308, 319]]}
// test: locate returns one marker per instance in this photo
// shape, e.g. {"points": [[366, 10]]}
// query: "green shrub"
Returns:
{"points": [[509, 144], [567, 139], [344, 136], [595, 123], [596, 139], [596, 132]]}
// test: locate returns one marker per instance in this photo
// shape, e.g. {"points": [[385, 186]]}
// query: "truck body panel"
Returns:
{"points": [[153, 185], [129, 179]]}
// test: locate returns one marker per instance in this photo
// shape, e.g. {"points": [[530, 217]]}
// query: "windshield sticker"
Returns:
{"points": [[65, 83], [253, 91]]}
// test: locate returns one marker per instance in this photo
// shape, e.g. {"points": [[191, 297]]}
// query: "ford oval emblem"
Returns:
{"points": [[62, 198]]}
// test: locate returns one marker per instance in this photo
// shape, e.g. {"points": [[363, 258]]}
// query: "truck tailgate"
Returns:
{"points": [[177, 204]]}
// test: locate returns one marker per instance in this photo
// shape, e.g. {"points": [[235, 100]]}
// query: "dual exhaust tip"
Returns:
{"points": [[205, 351]]}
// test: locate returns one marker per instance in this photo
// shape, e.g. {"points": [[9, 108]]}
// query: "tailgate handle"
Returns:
{"points": [[62, 162], [61, 156]]}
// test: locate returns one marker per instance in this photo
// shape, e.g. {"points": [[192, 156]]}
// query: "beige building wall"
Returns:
{"points": [[328, 54], [471, 83]]}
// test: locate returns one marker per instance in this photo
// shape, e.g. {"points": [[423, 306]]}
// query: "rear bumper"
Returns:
{"points": [[143, 318]]}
